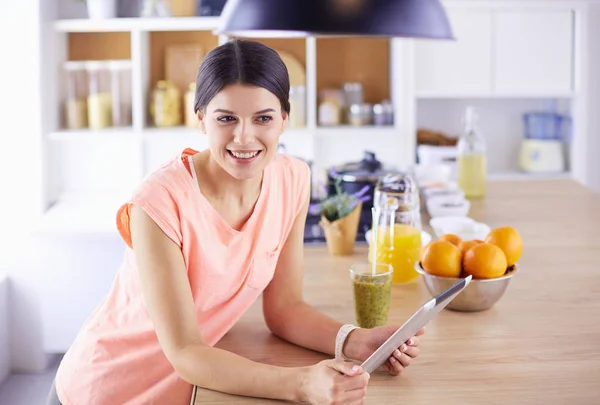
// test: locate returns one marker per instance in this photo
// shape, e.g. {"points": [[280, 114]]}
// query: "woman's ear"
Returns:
{"points": [[201, 123], [284, 123]]}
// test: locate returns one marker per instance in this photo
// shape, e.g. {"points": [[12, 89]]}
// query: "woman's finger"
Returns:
{"points": [[402, 358], [413, 341], [412, 351], [356, 396], [396, 366]]}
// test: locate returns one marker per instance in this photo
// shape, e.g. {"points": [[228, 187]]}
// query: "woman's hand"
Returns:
{"points": [[363, 342], [334, 382]]}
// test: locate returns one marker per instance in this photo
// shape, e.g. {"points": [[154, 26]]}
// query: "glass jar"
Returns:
{"points": [[383, 113], [297, 107], [99, 103], [361, 115], [190, 116], [120, 80], [396, 228], [75, 107], [165, 107], [330, 107]]}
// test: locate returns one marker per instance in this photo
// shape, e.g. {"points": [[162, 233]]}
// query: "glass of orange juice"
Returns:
{"points": [[396, 240]]}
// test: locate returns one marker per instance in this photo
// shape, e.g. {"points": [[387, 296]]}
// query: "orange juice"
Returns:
{"points": [[401, 250]]}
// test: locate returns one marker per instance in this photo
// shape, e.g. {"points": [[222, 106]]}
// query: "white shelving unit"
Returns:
{"points": [[488, 66]]}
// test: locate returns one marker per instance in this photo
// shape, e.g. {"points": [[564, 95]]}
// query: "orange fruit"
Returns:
{"points": [[484, 261], [442, 258], [452, 238], [467, 244], [508, 239]]}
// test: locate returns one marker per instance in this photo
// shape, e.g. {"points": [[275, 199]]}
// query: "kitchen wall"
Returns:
{"points": [[500, 123], [20, 168], [593, 101], [4, 328]]}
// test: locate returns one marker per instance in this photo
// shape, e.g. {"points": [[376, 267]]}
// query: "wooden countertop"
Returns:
{"points": [[539, 345]]}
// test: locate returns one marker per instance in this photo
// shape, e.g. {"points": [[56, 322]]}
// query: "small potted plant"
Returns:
{"points": [[340, 216]]}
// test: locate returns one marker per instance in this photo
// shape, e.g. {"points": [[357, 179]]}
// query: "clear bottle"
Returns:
{"points": [[471, 159]]}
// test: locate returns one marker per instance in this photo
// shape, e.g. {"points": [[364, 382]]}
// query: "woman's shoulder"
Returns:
{"points": [[292, 179], [172, 175], [286, 166]]}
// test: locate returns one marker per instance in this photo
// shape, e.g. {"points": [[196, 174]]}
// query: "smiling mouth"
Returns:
{"points": [[244, 155]]}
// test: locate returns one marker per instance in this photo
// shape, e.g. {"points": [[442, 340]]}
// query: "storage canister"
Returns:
{"points": [[99, 99], [75, 107], [120, 82]]}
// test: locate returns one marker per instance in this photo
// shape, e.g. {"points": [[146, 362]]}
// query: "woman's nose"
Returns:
{"points": [[243, 134]]}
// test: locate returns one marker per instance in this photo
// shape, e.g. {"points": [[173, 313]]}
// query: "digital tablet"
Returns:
{"points": [[417, 321]]}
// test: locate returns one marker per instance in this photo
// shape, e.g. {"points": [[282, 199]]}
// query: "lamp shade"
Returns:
{"points": [[298, 18]]}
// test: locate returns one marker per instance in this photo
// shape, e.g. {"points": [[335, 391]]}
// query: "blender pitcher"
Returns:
{"points": [[396, 233]]}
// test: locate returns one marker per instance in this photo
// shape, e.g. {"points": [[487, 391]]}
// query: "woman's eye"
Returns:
{"points": [[264, 119], [226, 119]]}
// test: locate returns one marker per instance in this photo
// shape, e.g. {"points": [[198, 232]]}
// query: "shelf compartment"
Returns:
{"points": [[99, 46], [160, 42], [137, 24], [365, 60], [125, 133]]}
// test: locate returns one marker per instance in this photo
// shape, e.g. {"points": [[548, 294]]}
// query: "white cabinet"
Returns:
{"points": [[533, 51], [459, 66], [526, 51]]}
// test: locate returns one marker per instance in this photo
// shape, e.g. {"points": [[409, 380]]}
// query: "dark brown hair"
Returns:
{"points": [[244, 62]]}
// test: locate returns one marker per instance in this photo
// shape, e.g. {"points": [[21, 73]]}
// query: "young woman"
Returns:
{"points": [[206, 234]]}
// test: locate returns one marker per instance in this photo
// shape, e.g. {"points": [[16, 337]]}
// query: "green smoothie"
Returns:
{"points": [[371, 299]]}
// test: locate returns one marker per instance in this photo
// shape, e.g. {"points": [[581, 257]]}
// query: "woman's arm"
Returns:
{"points": [[286, 313], [289, 317], [169, 301]]}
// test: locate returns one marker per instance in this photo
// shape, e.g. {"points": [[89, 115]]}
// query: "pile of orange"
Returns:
{"points": [[450, 256]]}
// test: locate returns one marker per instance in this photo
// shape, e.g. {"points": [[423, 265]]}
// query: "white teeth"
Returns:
{"points": [[244, 155]]}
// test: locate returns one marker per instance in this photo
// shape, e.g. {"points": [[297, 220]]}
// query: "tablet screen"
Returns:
{"points": [[415, 323]]}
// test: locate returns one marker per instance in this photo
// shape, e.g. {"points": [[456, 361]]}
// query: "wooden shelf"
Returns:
{"points": [[160, 43], [138, 24], [125, 133], [99, 46], [364, 60]]}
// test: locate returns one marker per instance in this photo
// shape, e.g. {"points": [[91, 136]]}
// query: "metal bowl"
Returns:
{"points": [[479, 295]]}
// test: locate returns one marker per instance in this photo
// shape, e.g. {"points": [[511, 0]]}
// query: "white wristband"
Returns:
{"points": [[340, 339]]}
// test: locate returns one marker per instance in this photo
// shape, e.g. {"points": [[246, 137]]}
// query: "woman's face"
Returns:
{"points": [[243, 124]]}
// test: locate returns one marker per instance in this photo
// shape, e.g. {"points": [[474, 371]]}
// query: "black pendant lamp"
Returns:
{"points": [[301, 18]]}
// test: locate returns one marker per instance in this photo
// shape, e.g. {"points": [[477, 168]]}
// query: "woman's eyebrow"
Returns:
{"points": [[220, 110]]}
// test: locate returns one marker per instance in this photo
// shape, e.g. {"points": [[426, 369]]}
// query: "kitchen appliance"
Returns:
{"points": [[352, 177], [542, 149], [539, 156]]}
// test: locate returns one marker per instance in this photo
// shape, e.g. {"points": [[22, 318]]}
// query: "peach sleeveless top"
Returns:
{"points": [[116, 357]]}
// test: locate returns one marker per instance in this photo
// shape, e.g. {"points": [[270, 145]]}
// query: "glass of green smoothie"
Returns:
{"points": [[372, 286]]}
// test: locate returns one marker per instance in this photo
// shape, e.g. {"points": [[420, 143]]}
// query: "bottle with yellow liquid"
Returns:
{"points": [[471, 160], [396, 233]]}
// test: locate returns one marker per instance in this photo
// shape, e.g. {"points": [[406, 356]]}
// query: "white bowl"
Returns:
{"points": [[425, 237], [451, 205], [465, 227], [433, 173], [447, 189]]}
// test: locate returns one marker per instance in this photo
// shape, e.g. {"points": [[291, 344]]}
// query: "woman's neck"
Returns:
{"points": [[221, 185]]}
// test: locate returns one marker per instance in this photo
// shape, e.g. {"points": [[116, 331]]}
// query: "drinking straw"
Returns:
{"points": [[375, 239]]}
